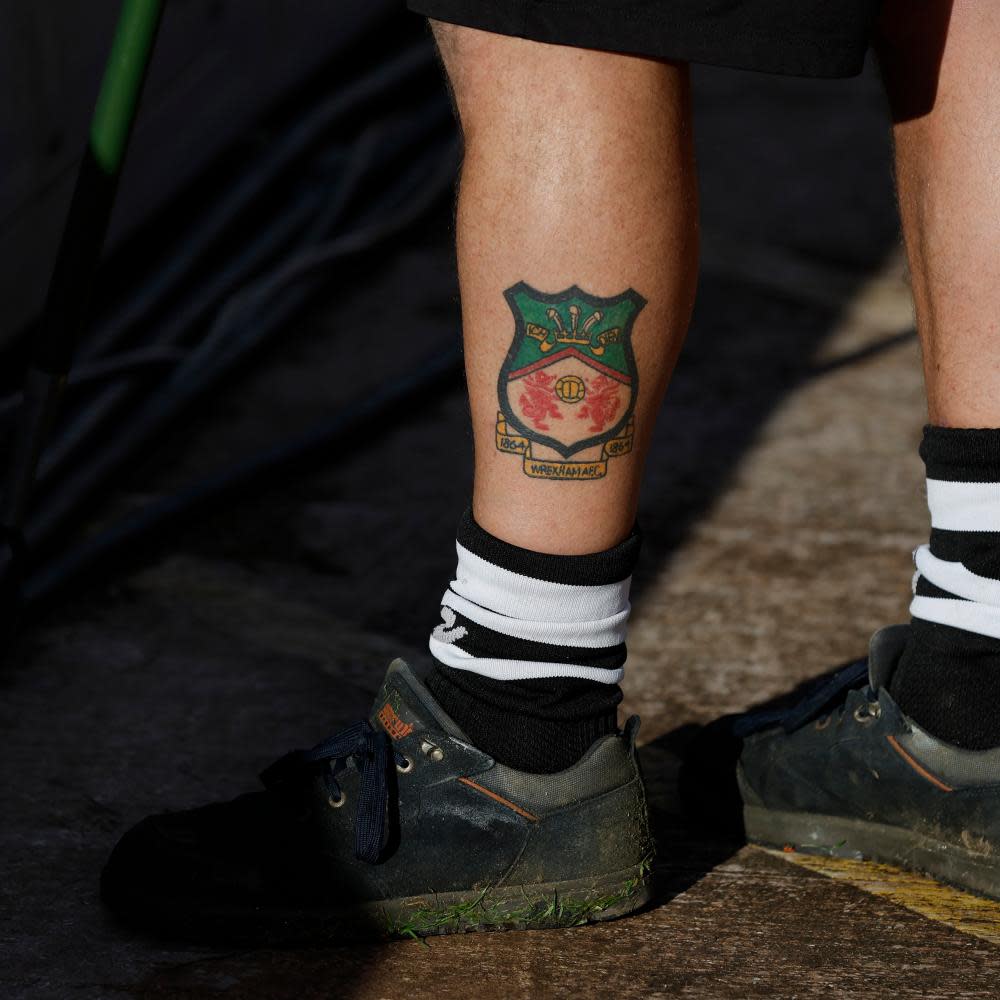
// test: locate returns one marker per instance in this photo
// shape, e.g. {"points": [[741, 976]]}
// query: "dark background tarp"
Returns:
{"points": [[220, 67]]}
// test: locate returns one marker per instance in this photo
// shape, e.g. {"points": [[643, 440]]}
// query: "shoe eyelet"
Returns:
{"points": [[337, 803], [868, 712], [405, 768], [430, 750], [823, 722]]}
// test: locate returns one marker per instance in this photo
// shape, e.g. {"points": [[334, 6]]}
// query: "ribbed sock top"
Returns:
{"points": [[531, 647], [948, 678]]}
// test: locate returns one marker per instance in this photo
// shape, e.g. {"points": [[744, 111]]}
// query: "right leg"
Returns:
{"points": [[577, 211], [903, 765]]}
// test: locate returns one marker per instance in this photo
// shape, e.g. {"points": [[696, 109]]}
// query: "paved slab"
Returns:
{"points": [[783, 498]]}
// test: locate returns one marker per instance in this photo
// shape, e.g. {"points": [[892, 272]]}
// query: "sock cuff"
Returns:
{"points": [[531, 646], [947, 677], [961, 455], [596, 569]]}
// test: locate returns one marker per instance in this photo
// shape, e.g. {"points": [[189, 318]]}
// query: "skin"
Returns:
{"points": [[947, 137], [578, 170]]}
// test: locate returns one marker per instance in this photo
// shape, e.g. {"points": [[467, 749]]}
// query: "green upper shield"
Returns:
{"points": [[605, 341], [555, 332]]}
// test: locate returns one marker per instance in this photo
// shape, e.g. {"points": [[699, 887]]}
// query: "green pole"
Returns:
{"points": [[123, 78], [96, 184], [76, 263]]}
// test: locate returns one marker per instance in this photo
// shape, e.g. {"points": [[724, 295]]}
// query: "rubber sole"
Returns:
{"points": [[840, 837], [526, 907]]}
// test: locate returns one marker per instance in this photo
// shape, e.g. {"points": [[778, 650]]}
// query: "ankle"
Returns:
{"points": [[540, 726], [948, 679], [532, 647]]}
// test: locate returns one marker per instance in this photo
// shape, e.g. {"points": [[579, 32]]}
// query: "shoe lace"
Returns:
{"points": [[372, 753], [829, 691]]}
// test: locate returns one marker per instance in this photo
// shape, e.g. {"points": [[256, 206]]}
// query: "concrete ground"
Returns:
{"points": [[783, 498]]}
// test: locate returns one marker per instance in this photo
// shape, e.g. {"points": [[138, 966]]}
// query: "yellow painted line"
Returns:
{"points": [[941, 903]]}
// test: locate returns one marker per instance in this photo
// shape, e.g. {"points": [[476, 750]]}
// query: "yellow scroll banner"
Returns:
{"points": [[555, 468]]}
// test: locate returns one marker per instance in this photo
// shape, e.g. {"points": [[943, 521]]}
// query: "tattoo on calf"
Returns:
{"points": [[569, 381]]}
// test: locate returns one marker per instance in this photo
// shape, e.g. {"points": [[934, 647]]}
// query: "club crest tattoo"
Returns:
{"points": [[569, 381]]}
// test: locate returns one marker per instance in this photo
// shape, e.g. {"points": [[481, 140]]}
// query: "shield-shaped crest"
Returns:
{"points": [[569, 380]]}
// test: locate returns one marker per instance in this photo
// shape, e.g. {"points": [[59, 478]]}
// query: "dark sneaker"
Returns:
{"points": [[845, 773], [395, 826]]}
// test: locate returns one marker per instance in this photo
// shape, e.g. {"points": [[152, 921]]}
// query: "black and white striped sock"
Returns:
{"points": [[531, 647], [948, 679]]}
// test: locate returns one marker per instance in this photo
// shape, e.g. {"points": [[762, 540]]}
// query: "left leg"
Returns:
{"points": [[501, 792]]}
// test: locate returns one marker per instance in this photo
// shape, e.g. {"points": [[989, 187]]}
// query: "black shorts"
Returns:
{"points": [[826, 38]]}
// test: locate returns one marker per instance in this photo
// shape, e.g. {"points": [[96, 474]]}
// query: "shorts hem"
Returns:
{"points": [[651, 31]]}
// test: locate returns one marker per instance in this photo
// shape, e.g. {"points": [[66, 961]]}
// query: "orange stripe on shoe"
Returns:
{"points": [[919, 768], [500, 799]]}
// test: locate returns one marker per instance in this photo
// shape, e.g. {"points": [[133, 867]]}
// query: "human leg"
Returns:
{"points": [[577, 253], [897, 758], [430, 816], [948, 178], [578, 170]]}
